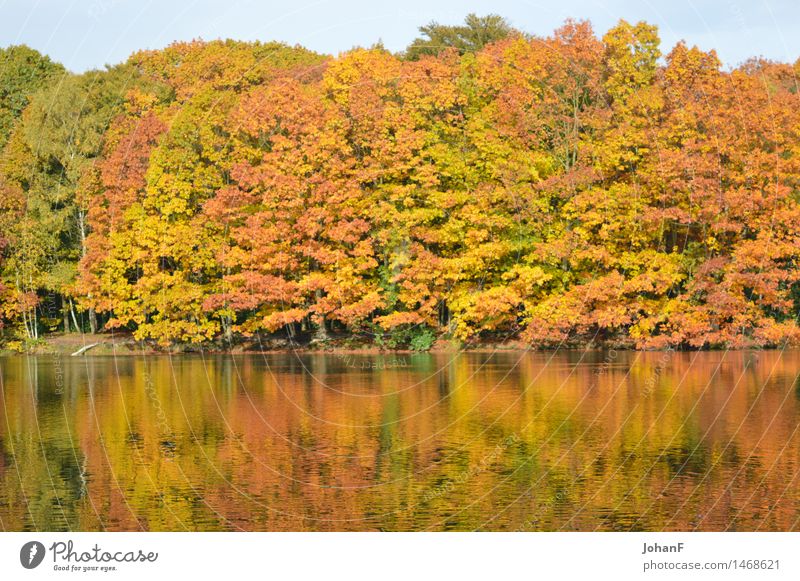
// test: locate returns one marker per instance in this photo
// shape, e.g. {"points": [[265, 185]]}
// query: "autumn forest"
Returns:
{"points": [[483, 185]]}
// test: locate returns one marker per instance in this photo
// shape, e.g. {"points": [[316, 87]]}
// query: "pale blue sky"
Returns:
{"points": [[90, 33]]}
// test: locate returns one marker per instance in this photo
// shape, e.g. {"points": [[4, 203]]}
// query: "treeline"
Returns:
{"points": [[485, 184]]}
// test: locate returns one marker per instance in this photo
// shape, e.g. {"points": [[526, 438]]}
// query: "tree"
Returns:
{"points": [[472, 36], [23, 71], [566, 188], [58, 139], [157, 264]]}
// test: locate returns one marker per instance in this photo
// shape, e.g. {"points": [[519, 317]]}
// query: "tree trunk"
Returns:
{"points": [[25, 322], [92, 320], [83, 234], [78, 328], [321, 333], [227, 330]]}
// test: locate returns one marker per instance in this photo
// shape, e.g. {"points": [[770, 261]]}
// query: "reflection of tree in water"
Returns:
{"points": [[43, 464], [498, 442]]}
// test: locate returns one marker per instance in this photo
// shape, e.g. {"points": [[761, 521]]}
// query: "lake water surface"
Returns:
{"points": [[476, 441]]}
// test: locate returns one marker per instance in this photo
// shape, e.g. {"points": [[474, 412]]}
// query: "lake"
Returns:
{"points": [[503, 441]]}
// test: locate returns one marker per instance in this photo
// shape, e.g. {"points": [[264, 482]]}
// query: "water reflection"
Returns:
{"points": [[503, 441]]}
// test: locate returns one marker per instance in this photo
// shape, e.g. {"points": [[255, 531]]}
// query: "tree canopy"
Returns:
{"points": [[473, 35], [552, 190], [23, 71]]}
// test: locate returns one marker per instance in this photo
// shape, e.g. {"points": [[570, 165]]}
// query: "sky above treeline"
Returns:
{"points": [[85, 34]]}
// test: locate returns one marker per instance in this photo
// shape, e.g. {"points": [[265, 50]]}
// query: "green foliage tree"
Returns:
{"points": [[473, 35], [55, 144], [23, 71]]}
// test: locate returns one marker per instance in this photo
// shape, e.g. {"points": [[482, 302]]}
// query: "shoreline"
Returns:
{"points": [[87, 345]]}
